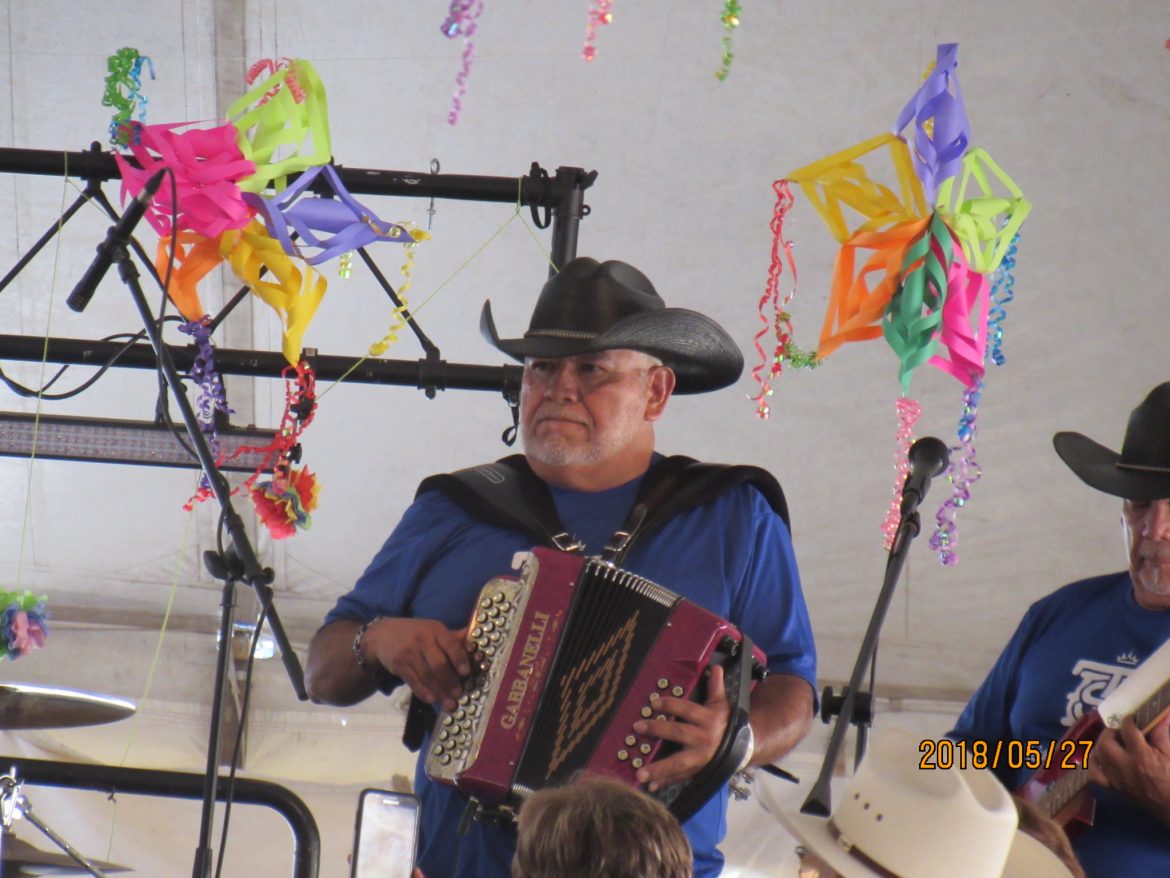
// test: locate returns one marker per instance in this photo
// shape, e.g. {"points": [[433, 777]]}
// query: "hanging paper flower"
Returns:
{"points": [[912, 319], [23, 626], [291, 288], [207, 165], [195, 257], [941, 130], [347, 224], [986, 222], [283, 126], [284, 503], [840, 180]]}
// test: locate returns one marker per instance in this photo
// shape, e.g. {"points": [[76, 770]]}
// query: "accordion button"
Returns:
{"points": [[636, 763], [654, 696], [631, 740], [677, 691], [494, 637], [485, 603], [445, 759], [663, 682], [646, 748], [489, 651], [476, 632], [623, 755], [647, 712], [437, 750], [499, 597], [661, 716]]}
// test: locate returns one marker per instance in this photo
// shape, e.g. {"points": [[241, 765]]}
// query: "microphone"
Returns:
{"points": [[117, 237], [928, 458]]}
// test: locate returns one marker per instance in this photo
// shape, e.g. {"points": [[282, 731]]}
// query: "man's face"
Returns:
{"points": [[584, 410], [1147, 535]]}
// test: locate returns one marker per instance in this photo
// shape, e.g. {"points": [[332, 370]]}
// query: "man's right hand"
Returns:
{"points": [[424, 653]]}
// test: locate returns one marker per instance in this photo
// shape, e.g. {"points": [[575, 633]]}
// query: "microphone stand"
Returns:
{"points": [[240, 563], [853, 706]]}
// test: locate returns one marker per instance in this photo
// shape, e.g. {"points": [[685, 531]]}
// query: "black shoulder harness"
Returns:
{"points": [[507, 493]]}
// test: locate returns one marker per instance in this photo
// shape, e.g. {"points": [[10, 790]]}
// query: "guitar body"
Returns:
{"points": [[1060, 787]]}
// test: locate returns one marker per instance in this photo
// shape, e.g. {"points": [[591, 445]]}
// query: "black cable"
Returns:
{"points": [[21, 390]]}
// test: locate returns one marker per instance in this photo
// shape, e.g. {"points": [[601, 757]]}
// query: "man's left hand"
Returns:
{"points": [[697, 728], [1134, 765]]}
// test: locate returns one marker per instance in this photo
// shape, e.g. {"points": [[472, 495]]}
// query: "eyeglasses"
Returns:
{"points": [[588, 374]]}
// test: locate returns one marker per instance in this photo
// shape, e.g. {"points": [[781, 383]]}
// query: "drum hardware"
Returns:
{"points": [[18, 857]]}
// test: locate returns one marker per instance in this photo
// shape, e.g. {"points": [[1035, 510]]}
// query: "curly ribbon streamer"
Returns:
{"points": [[300, 407], [270, 66], [840, 179], [913, 317], [963, 471], [294, 295], [599, 14], [730, 19], [908, 412], [23, 623], [212, 397], [985, 223], [400, 314], [195, 257], [783, 326], [207, 165], [125, 67], [349, 224], [461, 21], [293, 121], [855, 310], [283, 504], [963, 339], [1002, 292], [942, 131]]}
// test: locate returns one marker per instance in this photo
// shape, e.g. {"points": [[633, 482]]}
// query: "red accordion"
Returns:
{"points": [[572, 653]]}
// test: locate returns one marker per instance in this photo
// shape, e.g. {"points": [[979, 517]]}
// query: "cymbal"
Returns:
{"points": [[39, 707], [19, 859]]}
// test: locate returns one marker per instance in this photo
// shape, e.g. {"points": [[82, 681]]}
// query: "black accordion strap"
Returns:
{"points": [[509, 494], [676, 484]]}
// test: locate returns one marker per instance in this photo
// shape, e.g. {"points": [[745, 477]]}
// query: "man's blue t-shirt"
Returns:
{"points": [[1072, 649], [732, 556]]}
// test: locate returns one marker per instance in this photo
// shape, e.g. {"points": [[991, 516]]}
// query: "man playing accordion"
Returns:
{"points": [[602, 357]]}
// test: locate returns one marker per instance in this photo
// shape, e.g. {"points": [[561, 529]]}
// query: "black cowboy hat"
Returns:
{"points": [[1142, 470], [597, 306]]}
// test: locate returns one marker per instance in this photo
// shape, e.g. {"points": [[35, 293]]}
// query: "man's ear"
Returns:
{"points": [[662, 381]]}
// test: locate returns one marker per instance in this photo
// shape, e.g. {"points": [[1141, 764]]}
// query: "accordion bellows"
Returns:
{"points": [[572, 653]]}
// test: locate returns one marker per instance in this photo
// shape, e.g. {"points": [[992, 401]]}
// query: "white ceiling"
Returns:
{"points": [[1072, 99]]}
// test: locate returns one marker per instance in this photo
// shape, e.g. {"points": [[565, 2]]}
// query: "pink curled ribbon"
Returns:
{"points": [[908, 412], [781, 253], [461, 21]]}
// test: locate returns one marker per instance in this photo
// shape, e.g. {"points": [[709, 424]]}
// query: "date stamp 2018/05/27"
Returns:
{"points": [[1014, 754]]}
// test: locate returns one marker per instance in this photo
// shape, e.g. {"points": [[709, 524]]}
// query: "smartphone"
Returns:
{"points": [[385, 838]]}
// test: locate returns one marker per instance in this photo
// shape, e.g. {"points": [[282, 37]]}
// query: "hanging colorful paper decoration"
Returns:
{"points": [[300, 407], [283, 125], [599, 14], [284, 502], [207, 166], [23, 625], [461, 21], [291, 288], [916, 251], [348, 223], [730, 20], [123, 92], [194, 258]]}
